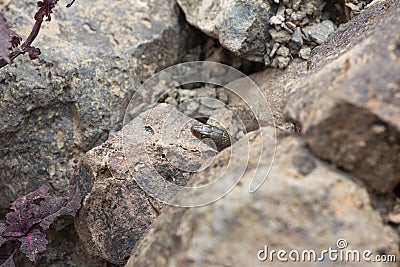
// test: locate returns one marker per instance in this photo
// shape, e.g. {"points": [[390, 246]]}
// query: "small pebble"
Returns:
{"points": [[280, 36], [320, 32], [283, 51], [286, 28], [305, 53], [274, 49], [298, 16], [289, 11], [276, 20], [291, 25], [280, 62], [297, 37], [298, 26], [296, 4]]}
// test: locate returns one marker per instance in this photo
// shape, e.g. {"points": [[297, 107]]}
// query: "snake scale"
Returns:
{"points": [[218, 136]]}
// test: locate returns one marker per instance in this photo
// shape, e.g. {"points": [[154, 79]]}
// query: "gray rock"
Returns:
{"points": [[215, 52], [274, 49], [240, 26], [250, 28], [348, 105], [244, 26], [305, 53], [290, 24], [298, 16], [302, 200], [280, 36], [199, 102], [320, 32], [280, 62], [272, 83], [242, 18], [94, 55], [296, 4], [297, 37], [116, 211], [276, 20], [211, 103], [283, 51], [225, 109]]}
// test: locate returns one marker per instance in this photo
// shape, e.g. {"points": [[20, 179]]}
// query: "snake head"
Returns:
{"points": [[219, 137]]}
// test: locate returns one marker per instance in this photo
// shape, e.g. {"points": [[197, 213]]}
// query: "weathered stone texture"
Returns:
{"points": [[303, 204], [94, 55], [272, 32], [202, 101], [349, 104], [273, 83], [117, 212]]}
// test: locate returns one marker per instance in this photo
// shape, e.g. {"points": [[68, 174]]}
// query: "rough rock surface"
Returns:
{"points": [[349, 105], [230, 22], [198, 101], [273, 83], [64, 249], [116, 212], [94, 55], [303, 204], [272, 32]]}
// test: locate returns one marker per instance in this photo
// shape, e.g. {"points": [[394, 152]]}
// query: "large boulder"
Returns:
{"points": [[303, 205], [348, 106], [94, 56], [117, 211]]}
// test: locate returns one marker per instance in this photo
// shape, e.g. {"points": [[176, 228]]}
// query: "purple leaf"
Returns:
{"points": [[19, 231], [22, 219], [32, 244], [19, 228], [41, 192], [8, 39], [33, 52], [53, 207]]}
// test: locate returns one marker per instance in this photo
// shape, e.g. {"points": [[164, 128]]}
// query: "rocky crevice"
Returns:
{"points": [[337, 177]]}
